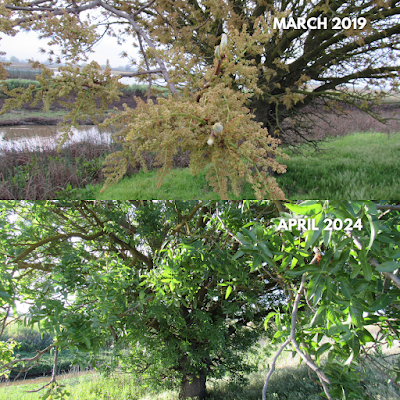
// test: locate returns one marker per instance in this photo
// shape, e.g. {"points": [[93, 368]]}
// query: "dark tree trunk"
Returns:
{"points": [[193, 386]]}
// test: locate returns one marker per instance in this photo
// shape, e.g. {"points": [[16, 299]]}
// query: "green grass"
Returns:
{"points": [[356, 166], [288, 382], [179, 184]]}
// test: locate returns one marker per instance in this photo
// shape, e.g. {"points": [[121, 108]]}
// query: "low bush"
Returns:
{"points": [[39, 174], [44, 366], [29, 339]]}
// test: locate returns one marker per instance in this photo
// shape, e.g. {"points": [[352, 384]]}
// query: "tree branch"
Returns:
{"points": [[53, 374], [146, 38], [28, 360], [26, 252], [292, 338], [187, 218]]}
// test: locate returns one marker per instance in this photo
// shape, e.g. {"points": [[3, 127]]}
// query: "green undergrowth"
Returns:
{"points": [[356, 166], [288, 382], [179, 184]]}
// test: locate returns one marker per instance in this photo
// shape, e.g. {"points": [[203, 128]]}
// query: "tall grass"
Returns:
{"points": [[41, 174], [356, 166], [289, 382]]}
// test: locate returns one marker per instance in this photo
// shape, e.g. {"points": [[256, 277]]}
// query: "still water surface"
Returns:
{"points": [[37, 137]]}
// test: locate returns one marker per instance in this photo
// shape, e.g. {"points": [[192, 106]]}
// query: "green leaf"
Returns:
{"points": [[323, 349], [388, 266], [353, 207], [228, 292], [265, 249], [364, 336], [238, 254], [367, 270], [312, 236], [250, 234], [355, 271], [259, 232], [371, 208], [326, 235], [356, 314], [346, 288], [257, 260], [269, 316], [381, 303], [305, 208]]}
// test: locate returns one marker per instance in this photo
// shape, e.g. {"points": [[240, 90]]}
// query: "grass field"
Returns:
{"points": [[356, 166], [289, 382]]}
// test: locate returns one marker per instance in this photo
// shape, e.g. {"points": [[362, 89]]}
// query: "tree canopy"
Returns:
{"points": [[260, 80], [181, 290]]}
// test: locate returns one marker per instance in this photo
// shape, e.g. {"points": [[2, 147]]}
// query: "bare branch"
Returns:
{"points": [[187, 218], [151, 71], [51, 11], [388, 207], [53, 374], [146, 38], [292, 338], [28, 360], [287, 341], [144, 6], [147, 64]]}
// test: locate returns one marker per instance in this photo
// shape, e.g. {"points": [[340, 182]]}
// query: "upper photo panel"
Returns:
{"points": [[281, 100]]}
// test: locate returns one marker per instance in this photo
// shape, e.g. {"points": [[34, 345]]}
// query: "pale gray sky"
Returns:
{"points": [[26, 45]]}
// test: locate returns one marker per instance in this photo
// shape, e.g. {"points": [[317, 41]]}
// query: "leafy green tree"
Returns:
{"points": [[157, 279], [183, 289]]}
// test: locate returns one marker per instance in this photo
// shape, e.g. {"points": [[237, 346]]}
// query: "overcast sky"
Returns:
{"points": [[26, 45]]}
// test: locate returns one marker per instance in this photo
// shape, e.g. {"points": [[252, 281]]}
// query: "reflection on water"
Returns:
{"points": [[37, 137]]}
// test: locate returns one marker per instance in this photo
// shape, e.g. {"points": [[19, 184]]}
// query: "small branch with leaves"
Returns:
{"points": [[292, 339]]}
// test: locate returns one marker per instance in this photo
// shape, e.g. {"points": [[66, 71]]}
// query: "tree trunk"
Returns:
{"points": [[193, 386]]}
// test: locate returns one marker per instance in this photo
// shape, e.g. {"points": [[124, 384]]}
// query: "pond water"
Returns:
{"points": [[37, 137]]}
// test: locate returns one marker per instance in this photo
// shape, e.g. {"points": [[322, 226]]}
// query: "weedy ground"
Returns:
{"points": [[356, 166], [289, 382]]}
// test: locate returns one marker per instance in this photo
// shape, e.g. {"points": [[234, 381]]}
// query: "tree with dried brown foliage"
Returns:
{"points": [[262, 79]]}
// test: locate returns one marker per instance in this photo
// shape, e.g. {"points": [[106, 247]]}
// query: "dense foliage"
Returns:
{"points": [[181, 290]]}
